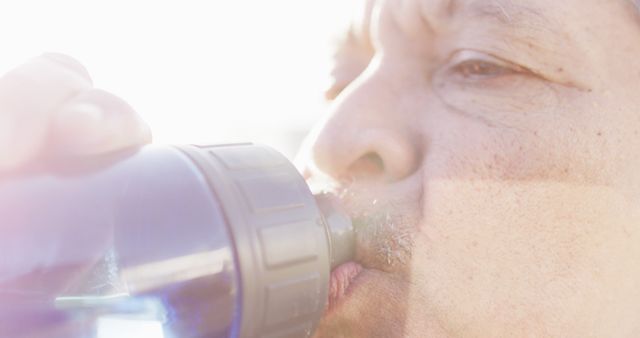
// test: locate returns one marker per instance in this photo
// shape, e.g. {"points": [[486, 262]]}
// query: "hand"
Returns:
{"points": [[49, 107]]}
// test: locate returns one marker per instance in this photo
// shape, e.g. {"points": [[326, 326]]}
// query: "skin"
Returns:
{"points": [[488, 156], [69, 118], [500, 138]]}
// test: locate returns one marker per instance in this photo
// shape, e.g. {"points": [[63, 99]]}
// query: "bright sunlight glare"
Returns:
{"points": [[113, 327], [197, 71]]}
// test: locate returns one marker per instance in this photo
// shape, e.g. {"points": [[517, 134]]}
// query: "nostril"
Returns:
{"points": [[368, 152], [369, 165]]}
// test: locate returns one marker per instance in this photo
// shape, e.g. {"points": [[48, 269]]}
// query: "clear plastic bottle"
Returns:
{"points": [[138, 248], [167, 242]]}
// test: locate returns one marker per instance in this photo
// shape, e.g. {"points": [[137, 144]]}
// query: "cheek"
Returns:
{"points": [[524, 257], [522, 232], [470, 150]]}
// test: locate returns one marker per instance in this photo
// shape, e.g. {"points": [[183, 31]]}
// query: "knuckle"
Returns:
{"points": [[68, 63]]}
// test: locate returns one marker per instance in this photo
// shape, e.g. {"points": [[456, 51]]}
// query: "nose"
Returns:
{"points": [[369, 133]]}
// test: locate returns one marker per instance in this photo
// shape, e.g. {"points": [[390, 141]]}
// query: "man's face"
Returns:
{"points": [[489, 152]]}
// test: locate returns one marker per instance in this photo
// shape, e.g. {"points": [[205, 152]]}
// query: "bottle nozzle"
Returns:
{"points": [[340, 230]]}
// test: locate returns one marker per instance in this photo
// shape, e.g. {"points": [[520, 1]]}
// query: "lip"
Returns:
{"points": [[377, 213], [343, 281]]}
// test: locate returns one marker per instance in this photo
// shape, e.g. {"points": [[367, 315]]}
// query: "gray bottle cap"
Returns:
{"points": [[341, 234], [282, 244]]}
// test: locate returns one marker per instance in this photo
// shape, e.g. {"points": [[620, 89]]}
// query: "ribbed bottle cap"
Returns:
{"points": [[282, 246]]}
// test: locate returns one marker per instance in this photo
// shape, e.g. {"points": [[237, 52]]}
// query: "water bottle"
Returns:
{"points": [[167, 242]]}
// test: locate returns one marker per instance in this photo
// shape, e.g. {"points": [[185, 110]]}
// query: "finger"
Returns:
{"points": [[28, 94], [95, 122]]}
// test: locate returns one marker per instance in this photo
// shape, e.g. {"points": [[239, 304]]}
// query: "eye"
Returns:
{"points": [[472, 65], [480, 68]]}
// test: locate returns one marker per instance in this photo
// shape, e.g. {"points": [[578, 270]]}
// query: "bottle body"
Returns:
{"points": [[139, 248]]}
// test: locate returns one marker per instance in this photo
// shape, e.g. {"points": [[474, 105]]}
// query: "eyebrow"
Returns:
{"points": [[505, 12], [524, 24]]}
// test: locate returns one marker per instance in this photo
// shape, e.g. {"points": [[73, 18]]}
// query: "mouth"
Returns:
{"points": [[343, 279], [383, 228]]}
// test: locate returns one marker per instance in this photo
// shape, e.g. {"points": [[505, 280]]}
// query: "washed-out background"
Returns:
{"points": [[197, 71]]}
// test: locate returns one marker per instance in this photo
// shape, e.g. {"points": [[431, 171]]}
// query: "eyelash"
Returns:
{"points": [[480, 69], [476, 66]]}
